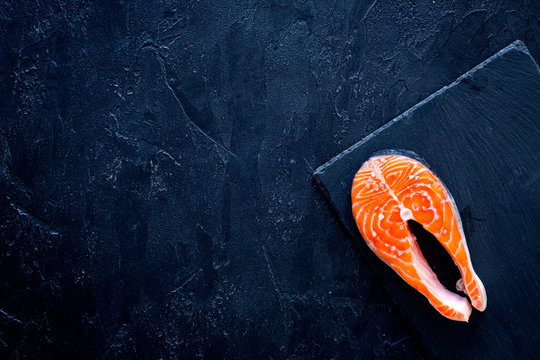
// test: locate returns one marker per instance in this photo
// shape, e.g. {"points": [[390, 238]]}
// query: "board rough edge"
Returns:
{"points": [[517, 45]]}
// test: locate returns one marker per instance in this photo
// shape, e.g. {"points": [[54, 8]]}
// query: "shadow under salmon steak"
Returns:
{"points": [[390, 190]]}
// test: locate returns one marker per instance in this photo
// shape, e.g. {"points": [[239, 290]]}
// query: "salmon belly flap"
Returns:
{"points": [[390, 190]]}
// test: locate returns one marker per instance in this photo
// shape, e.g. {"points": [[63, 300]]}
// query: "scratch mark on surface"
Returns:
{"points": [[399, 341], [270, 269], [167, 154], [276, 287], [195, 126], [161, 59], [368, 10], [10, 317], [127, 138], [23, 212], [308, 164], [185, 282]]}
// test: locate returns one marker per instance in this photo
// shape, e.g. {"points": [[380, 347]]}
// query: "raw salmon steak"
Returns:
{"points": [[390, 190]]}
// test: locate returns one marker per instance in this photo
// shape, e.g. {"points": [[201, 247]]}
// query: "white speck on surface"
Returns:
{"points": [[405, 214]]}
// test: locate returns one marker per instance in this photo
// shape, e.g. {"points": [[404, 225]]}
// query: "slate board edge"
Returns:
{"points": [[517, 45]]}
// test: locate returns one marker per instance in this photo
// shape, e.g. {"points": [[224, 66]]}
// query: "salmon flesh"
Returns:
{"points": [[390, 190]]}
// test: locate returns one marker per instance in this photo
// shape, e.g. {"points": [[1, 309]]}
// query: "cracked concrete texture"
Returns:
{"points": [[163, 153]]}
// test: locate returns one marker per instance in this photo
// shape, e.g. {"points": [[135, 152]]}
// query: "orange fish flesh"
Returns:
{"points": [[389, 190]]}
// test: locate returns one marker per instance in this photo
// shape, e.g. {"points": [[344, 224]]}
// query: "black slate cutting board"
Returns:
{"points": [[481, 136]]}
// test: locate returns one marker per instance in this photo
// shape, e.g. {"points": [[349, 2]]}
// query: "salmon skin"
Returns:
{"points": [[389, 190]]}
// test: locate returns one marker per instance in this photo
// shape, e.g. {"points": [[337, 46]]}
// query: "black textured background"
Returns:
{"points": [[156, 160]]}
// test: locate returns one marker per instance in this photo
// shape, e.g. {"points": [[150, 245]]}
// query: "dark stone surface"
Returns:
{"points": [[156, 160], [481, 136]]}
